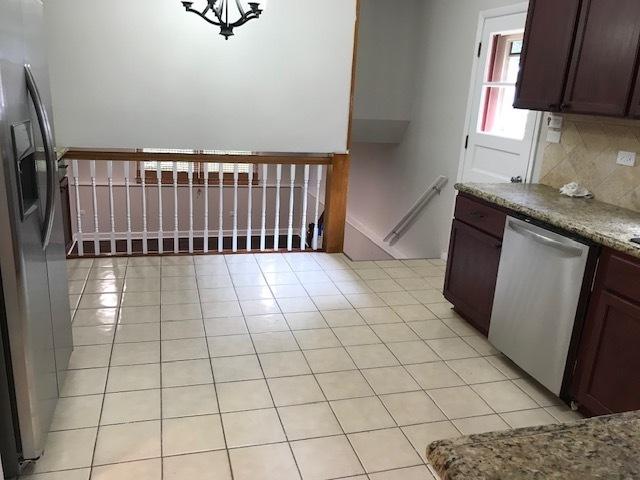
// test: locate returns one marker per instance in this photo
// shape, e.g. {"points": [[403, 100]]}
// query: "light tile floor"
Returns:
{"points": [[273, 366]]}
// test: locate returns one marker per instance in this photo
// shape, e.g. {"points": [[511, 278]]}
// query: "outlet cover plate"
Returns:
{"points": [[554, 136], [627, 159]]}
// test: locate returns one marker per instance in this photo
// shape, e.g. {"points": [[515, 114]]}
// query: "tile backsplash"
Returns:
{"points": [[587, 154]]}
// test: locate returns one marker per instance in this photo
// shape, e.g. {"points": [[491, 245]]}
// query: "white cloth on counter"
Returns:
{"points": [[574, 189]]}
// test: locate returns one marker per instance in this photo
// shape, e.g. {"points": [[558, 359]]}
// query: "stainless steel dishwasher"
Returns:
{"points": [[539, 286]]}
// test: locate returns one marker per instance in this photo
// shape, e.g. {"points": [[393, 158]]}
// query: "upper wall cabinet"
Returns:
{"points": [[546, 54], [581, 56]]}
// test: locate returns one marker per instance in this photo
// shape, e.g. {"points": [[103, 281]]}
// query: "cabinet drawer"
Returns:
{"points": [[480, 215], [622, 276]]}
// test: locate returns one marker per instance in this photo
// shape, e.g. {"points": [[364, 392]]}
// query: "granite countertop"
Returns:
{"points": [[597, 448], [600, 222]]}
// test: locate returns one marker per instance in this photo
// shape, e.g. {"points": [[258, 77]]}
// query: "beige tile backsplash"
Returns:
{"points": [[587, 154]]}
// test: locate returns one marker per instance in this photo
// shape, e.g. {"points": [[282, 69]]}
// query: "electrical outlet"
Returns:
{"points": [[554, 136], [627, 159]]}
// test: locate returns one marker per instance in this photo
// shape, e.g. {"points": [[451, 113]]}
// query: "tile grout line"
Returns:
{"points": [[295, 460], [377, 396], [215, 387], [326, 399], [106, 383], [291, 331]]}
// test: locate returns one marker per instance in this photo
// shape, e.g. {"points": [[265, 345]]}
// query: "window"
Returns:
{"points": [[497, 116], [150, 169]]}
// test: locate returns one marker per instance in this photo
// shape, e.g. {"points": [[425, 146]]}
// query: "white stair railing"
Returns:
{"points": [[176, 194], [401, 228]]}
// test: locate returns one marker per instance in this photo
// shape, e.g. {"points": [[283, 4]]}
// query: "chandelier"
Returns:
{"points": [[219, 13]]}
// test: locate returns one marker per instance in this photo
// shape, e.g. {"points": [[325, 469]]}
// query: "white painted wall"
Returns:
{"points": [[386, 64], [145, 73], [385, 179]]}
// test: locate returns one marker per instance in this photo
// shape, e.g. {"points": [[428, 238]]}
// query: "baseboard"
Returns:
{"points": [[373, 237]]}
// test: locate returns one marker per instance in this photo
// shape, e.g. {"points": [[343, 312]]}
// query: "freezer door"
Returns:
{"points": [[539, 283]]}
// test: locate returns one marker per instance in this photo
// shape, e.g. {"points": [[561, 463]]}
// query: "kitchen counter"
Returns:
{"points": [[600, 222], [597, 448]]}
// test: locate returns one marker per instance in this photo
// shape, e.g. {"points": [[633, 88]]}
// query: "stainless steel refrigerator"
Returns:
{"points": [[35, 324]]}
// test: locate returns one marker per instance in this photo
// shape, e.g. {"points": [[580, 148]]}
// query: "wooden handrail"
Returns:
{"points": [[139, 155]]}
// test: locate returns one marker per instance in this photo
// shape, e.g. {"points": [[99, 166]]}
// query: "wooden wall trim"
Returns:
{"points": [[354, 69], [335, 208]]}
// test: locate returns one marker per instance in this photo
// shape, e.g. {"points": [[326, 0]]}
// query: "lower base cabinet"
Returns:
{"points": [[472, 273], [607, 372]]}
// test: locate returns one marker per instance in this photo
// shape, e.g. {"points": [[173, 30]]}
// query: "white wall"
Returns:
{"points": [[145, 73], [386, 64], [386, 180]]}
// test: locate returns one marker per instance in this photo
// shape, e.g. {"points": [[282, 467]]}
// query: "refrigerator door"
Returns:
{"points": [[31, 275], [53, 230]]}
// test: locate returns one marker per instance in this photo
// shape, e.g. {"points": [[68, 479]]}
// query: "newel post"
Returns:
{"points": [[335, 212]]}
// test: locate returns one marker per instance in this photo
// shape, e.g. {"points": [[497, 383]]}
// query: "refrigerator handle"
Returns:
{"points": [[50, 155]]}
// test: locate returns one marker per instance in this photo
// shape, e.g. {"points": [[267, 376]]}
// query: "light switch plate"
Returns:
{"points": [[555, 121], [627, 159]]}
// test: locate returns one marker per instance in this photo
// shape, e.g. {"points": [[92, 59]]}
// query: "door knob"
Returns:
{"points": [[517, 179]]}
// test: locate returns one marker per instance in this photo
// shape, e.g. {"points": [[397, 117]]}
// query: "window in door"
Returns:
{"points": [[497, 116]]}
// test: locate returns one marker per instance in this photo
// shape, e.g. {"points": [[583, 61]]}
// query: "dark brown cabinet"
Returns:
{"points": [[581, 56], [603, 67], [474, 257], [607, 374], [546, 54]]}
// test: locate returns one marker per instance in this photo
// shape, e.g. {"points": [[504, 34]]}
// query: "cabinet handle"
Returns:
{"points": [[477, 215]]}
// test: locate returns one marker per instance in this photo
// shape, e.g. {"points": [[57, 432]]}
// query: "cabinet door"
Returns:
{"points": [[472, 272], [634, 109], [603, 67], [546, 54], [608, 369]]}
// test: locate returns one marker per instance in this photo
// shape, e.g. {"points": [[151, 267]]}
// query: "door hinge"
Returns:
{"points": [[479, 49], [466, 142]]}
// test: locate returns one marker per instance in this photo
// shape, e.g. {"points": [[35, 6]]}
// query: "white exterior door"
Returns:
{"points": [[501, 140]]}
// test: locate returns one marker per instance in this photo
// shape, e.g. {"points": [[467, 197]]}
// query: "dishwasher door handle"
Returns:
{"points": [[549, 242]]}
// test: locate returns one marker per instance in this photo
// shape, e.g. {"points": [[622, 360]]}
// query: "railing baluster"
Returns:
{"points": [[111, 210], [235, 209], [176, 232], [249, 208], [94, 193], [127, 185], [143, 184], [220, 207], [305, 194], [263, 229], [79, 235], [190, 173], [314, 243], [276, 233], [160, 213], [205, 245], [292, 187]]}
